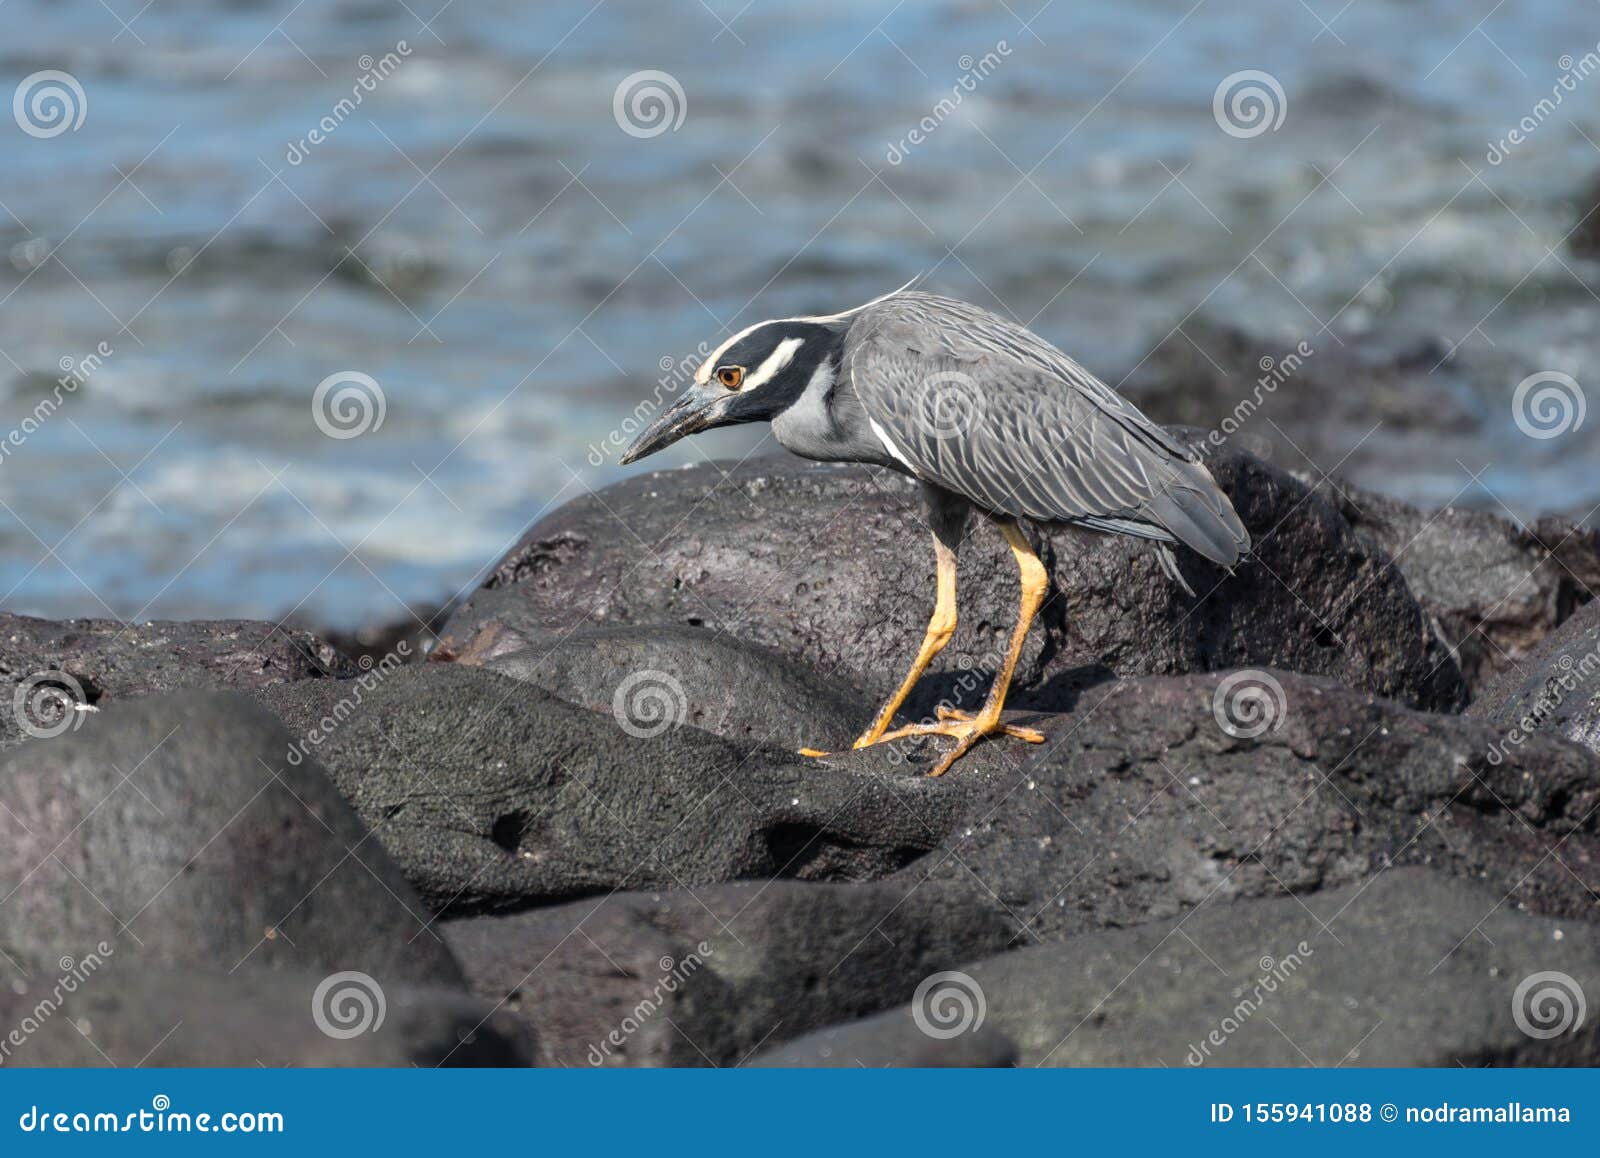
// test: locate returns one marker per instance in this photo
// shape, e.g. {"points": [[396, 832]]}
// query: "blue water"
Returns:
{"points": [[484, 241]]}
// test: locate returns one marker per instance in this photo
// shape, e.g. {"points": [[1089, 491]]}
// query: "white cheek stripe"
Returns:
{"points": [[888, 444], [775, 362]]}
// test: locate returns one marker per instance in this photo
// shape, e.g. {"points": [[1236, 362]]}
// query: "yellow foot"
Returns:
{"points": [[813, 752], [966, 730]]}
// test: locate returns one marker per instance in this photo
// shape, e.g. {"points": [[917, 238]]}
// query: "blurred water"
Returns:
{"points": [[483, 239]]}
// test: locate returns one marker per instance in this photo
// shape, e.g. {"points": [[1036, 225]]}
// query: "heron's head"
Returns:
{"points": [[752, 377]]}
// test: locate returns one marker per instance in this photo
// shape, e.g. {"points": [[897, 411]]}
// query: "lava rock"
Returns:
{"points": [[728, 687], [123, 1015], [407, 637], [175, 829], [493, 794], [56, 669], [1584, 236], [858, 1045], [1293, 400], [708, 977], [1492, 589], [1408, 969], [1162, 794], [832, 566], [1554, 692]]}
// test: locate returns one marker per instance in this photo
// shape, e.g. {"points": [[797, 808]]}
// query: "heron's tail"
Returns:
{"points": [[1197, 514]]}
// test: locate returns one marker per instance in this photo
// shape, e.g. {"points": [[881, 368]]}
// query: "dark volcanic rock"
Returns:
{"points": [[95, 662], [1142, 805], [709, 976], [124, 1015], [492, 793], [832, 566], [861, 1044], [1584, 237], [1299, 401], [725, 686], [409, 636], [1493, 589], [174, 828], [1555, 691], [1409, 969]]}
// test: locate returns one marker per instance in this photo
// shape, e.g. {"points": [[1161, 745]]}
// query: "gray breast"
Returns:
{"points": [[827, 423]]}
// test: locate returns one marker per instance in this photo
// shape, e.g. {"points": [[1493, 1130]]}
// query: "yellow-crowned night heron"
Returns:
{"points": [[983, 414]]}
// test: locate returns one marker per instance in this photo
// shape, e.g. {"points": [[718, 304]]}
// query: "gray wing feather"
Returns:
{"points": [[983, 407]]}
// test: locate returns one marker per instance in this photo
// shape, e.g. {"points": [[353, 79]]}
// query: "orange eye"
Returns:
{"points": [[731, 376]]}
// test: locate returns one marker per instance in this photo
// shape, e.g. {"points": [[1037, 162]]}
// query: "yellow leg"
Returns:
{"points": [[967, 729], [940, 628]]}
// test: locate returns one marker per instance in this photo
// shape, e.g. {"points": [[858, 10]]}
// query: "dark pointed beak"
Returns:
{"points": [[690, 414]]}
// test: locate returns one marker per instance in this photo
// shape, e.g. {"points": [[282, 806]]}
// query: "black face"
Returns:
{"points": [[754, 379], [768, 368]]}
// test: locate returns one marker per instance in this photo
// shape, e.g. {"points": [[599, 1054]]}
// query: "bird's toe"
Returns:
{"points": [[1031, 735]]}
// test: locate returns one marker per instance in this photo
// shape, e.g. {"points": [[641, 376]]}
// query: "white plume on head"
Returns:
{"points": [[703, 375]]}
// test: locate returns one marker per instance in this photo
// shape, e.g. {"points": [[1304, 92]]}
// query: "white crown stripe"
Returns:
{"points": [[703, 375], [775, 362]]}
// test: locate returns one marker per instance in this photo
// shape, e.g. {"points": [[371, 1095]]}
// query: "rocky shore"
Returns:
{"points": [[1342, 807]]}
